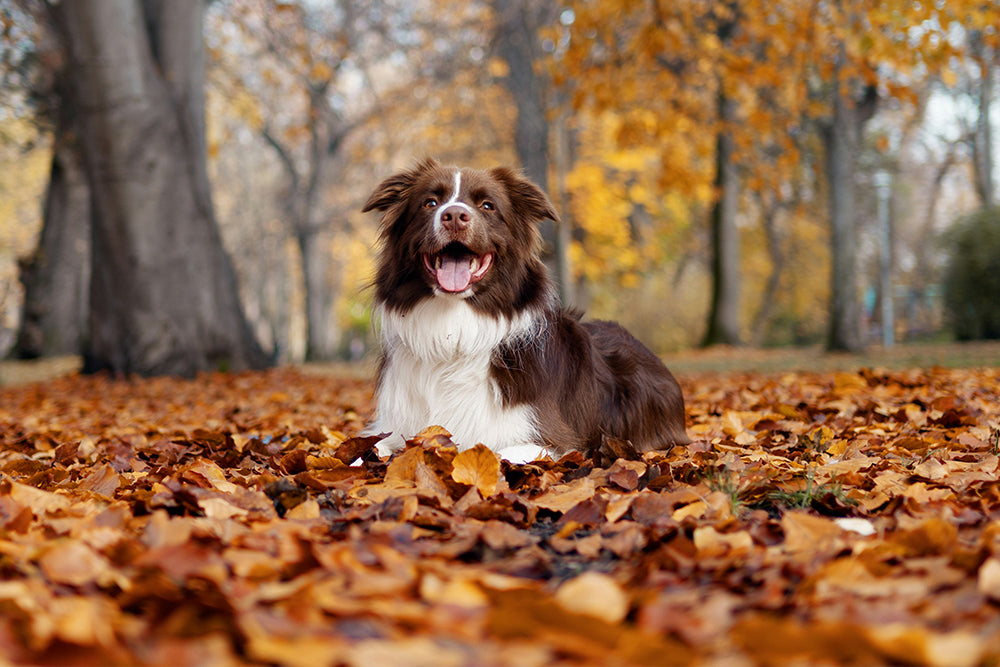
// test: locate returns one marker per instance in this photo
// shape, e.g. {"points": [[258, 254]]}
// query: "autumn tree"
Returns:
{"points": [[788, 68], [163, 297], [311, 88], [872, 55], [852, 105], [307, 77], [724, 311]]}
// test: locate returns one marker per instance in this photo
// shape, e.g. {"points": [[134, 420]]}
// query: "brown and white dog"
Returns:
{"points": [[474, 338]]}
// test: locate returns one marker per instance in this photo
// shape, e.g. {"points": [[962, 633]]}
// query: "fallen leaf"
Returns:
{"points": [[478, 467], [563, 497], [594, 594], [235, 520], [805, 533], [103, 480], [709, 542], [988, 579], [403, 466], [73, 562]]}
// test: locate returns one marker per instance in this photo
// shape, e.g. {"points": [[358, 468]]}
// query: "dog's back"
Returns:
{"points": [[590, 380]]}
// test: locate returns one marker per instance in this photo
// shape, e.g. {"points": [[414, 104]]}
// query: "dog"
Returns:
{"points": [[474, 338]]}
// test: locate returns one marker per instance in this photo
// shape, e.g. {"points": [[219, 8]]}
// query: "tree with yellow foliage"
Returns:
{"points": [[760, 75]]}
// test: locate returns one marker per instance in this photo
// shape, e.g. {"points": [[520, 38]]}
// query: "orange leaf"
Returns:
{"points": [[478, 467], [402, 467]]}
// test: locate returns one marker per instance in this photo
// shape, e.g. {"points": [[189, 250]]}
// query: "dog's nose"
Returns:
{"points": [[455, 218]]}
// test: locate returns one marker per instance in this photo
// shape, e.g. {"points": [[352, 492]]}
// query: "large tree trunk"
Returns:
{"points": [[57, 275], [724, 315], [840, 138], [163, 297]]}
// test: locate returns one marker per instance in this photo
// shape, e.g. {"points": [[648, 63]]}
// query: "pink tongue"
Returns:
{"points": [[455, 274]]}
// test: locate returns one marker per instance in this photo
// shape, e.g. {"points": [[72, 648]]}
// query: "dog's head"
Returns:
{"points": [[465, 233]]}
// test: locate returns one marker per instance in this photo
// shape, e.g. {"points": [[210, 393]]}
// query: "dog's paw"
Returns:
{"points": [[522, 453], [390, 444]]}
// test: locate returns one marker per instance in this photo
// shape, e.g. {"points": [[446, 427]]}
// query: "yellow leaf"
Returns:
{"points": [[320, 72], [497, 67], [594, 594], [308, 509], [988, 581], [478, 467], [709, 541], [948, 77], [457, 592]]}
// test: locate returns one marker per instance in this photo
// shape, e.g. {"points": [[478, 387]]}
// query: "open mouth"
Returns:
{"points": [[456, 268]]}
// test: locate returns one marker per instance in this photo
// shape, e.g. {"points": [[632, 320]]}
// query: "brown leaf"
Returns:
{"points": [[360, 447], [294, 461], [711, 543], [563, 497], [502, 536], [932, 537], [73, 562], [102, 480], [433, 437]]}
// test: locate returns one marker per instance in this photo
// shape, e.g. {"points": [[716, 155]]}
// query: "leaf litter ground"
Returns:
{"points": [[836, 518]]}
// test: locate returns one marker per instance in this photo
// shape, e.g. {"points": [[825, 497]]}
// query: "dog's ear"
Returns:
{"points": [[396, 188], [525, 195]]}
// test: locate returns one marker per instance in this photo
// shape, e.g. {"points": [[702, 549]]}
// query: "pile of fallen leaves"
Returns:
{"points": [[835, 518]]}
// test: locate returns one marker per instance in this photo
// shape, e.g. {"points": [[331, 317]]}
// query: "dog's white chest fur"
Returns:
{"points": [[437, 372]]}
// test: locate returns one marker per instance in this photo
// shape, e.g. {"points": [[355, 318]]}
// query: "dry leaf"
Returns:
{"points": [[563, 497], [478, 467], [594, 594], [255, 526], [73, 562]]}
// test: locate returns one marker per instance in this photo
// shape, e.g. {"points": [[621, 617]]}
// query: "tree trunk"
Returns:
{"points": [[57, 275], [568, 292], [517, 42], [327, 132], [321, 341], [776, 253], [518, 22], [840, 138], [724, 315], [982, 144], [163, 297]]}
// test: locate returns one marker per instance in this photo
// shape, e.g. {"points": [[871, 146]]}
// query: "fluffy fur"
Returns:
{"points": [[473, 336]]}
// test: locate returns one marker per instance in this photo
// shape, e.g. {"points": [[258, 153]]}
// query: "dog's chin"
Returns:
{"points": [[455, 268]]}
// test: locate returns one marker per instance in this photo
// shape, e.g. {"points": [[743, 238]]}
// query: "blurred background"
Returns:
{"points": [[743, 172]]}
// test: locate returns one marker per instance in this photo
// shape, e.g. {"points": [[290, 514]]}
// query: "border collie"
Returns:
{"points": [[474, 338]]}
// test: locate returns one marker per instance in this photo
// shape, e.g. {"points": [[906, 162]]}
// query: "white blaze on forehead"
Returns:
{"points": [[452, 201]]}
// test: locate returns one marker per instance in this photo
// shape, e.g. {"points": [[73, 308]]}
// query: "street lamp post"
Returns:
{"points": [[883, 186]]}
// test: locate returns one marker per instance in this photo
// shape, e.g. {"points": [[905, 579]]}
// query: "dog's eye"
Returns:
{"points": [[431, 203], [488, 206]]}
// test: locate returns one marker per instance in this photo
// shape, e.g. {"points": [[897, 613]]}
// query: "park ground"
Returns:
{"points": [[831, 509]]}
